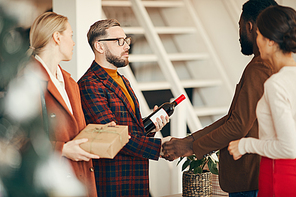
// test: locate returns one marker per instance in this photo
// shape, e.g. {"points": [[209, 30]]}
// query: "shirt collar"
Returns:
{"points": [[59, 76]]}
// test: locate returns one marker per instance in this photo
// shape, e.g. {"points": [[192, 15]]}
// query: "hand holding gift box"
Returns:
{"points": [[103, 140]]}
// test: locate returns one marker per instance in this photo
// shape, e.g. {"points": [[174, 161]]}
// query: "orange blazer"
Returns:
{"points": [[64, 126]]}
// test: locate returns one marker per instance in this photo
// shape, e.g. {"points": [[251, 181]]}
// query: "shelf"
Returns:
{"points": [[154, 4], [172, 57], [164, 85], [210, 111], [160, 30]]}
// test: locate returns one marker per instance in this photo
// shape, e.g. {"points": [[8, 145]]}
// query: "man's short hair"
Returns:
{"points": [[252, 8], [98, 30]]}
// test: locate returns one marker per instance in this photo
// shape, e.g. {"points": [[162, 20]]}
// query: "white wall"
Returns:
{"points": [[81, 14], [224, 34], [291, 3]]}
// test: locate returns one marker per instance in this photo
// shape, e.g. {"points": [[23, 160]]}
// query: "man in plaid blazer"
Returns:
{"points": [[107, 96]]}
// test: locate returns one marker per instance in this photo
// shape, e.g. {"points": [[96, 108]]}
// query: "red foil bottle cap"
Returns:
{"points": [[180, 98]]}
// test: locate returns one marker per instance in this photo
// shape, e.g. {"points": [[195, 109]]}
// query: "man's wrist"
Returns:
{"points": [[190, 138], [189, 141]]}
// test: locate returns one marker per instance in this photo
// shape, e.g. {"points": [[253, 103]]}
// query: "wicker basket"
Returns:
{"points": [[197, 184], [216, 189]]}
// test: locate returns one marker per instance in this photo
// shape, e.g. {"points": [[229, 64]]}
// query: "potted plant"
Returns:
{"points": [[197, 180]]}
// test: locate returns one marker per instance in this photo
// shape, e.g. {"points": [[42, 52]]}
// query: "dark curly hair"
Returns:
{"points": [[252, 8], [278, 23]]}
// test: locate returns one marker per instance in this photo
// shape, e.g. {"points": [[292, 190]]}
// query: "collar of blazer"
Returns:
{"points": [[49, 85], [110, 83]]}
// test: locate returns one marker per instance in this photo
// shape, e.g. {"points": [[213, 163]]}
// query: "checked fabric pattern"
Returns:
{"points": [[103, 101]]}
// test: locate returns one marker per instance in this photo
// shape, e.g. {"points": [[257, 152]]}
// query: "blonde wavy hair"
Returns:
{"points": [[43, 28]]}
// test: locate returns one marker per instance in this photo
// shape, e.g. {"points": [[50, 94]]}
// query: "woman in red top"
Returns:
{"points": [[276, 110]]}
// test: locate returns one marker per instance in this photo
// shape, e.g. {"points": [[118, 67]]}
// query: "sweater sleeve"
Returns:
{"points": [[280, 145]]}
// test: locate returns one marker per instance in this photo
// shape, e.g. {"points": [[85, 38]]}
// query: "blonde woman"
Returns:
{"points": [[51, 42]]}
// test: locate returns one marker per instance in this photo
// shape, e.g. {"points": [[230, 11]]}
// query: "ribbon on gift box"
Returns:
{"points": [[101, 142], [101, 130]]}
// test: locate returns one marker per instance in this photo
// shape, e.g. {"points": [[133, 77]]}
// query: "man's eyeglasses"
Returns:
{"points": [[120, 41]]}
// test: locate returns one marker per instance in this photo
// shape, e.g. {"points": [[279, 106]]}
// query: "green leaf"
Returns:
{"points": [[203, 161], [213, 167], [180, 160], [193, 165], [196, 163], [185, 164], [197, 170], [191, 157]]}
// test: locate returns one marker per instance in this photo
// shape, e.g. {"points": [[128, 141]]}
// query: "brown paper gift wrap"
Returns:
{"points": [[104, 141]]}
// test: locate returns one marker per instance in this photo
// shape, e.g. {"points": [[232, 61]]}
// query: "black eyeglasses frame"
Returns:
{"points": [[126, 40]]}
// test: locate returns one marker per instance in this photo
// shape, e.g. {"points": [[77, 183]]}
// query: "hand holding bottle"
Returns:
{"points": [[165, 109], [160, 122]]}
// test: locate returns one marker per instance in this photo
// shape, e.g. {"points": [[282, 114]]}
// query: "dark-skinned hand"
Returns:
{"points": [[176, 148]]}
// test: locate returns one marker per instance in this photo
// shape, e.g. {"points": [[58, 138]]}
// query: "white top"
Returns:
{"points": [[58, 82], [276, 113]]}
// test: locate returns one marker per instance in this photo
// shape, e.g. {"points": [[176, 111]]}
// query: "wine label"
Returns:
{"points": [[161, 112]]}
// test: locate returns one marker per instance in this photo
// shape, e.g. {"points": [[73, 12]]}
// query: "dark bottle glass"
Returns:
{"points": [[165, 109]]}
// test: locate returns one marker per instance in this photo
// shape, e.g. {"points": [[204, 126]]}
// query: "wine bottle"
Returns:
{"points": [[166, 109]]}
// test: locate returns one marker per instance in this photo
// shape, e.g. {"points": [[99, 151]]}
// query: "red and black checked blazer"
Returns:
{"points": [[103, 101]]}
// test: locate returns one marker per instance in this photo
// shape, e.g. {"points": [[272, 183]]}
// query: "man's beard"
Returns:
{"points": [[116, 61], [246, 45]]}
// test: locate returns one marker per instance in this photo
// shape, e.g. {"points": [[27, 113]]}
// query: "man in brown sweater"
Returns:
{"points": [[238, 178]]}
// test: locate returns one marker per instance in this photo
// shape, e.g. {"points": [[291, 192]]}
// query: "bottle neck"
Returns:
{"points": [[179, 100], [174, 103]]}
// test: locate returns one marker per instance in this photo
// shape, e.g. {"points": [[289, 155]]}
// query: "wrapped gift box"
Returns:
{"points": [[104, 141]]}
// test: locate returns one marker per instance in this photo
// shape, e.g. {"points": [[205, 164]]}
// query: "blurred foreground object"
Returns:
{"points": [[28, 167]]}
